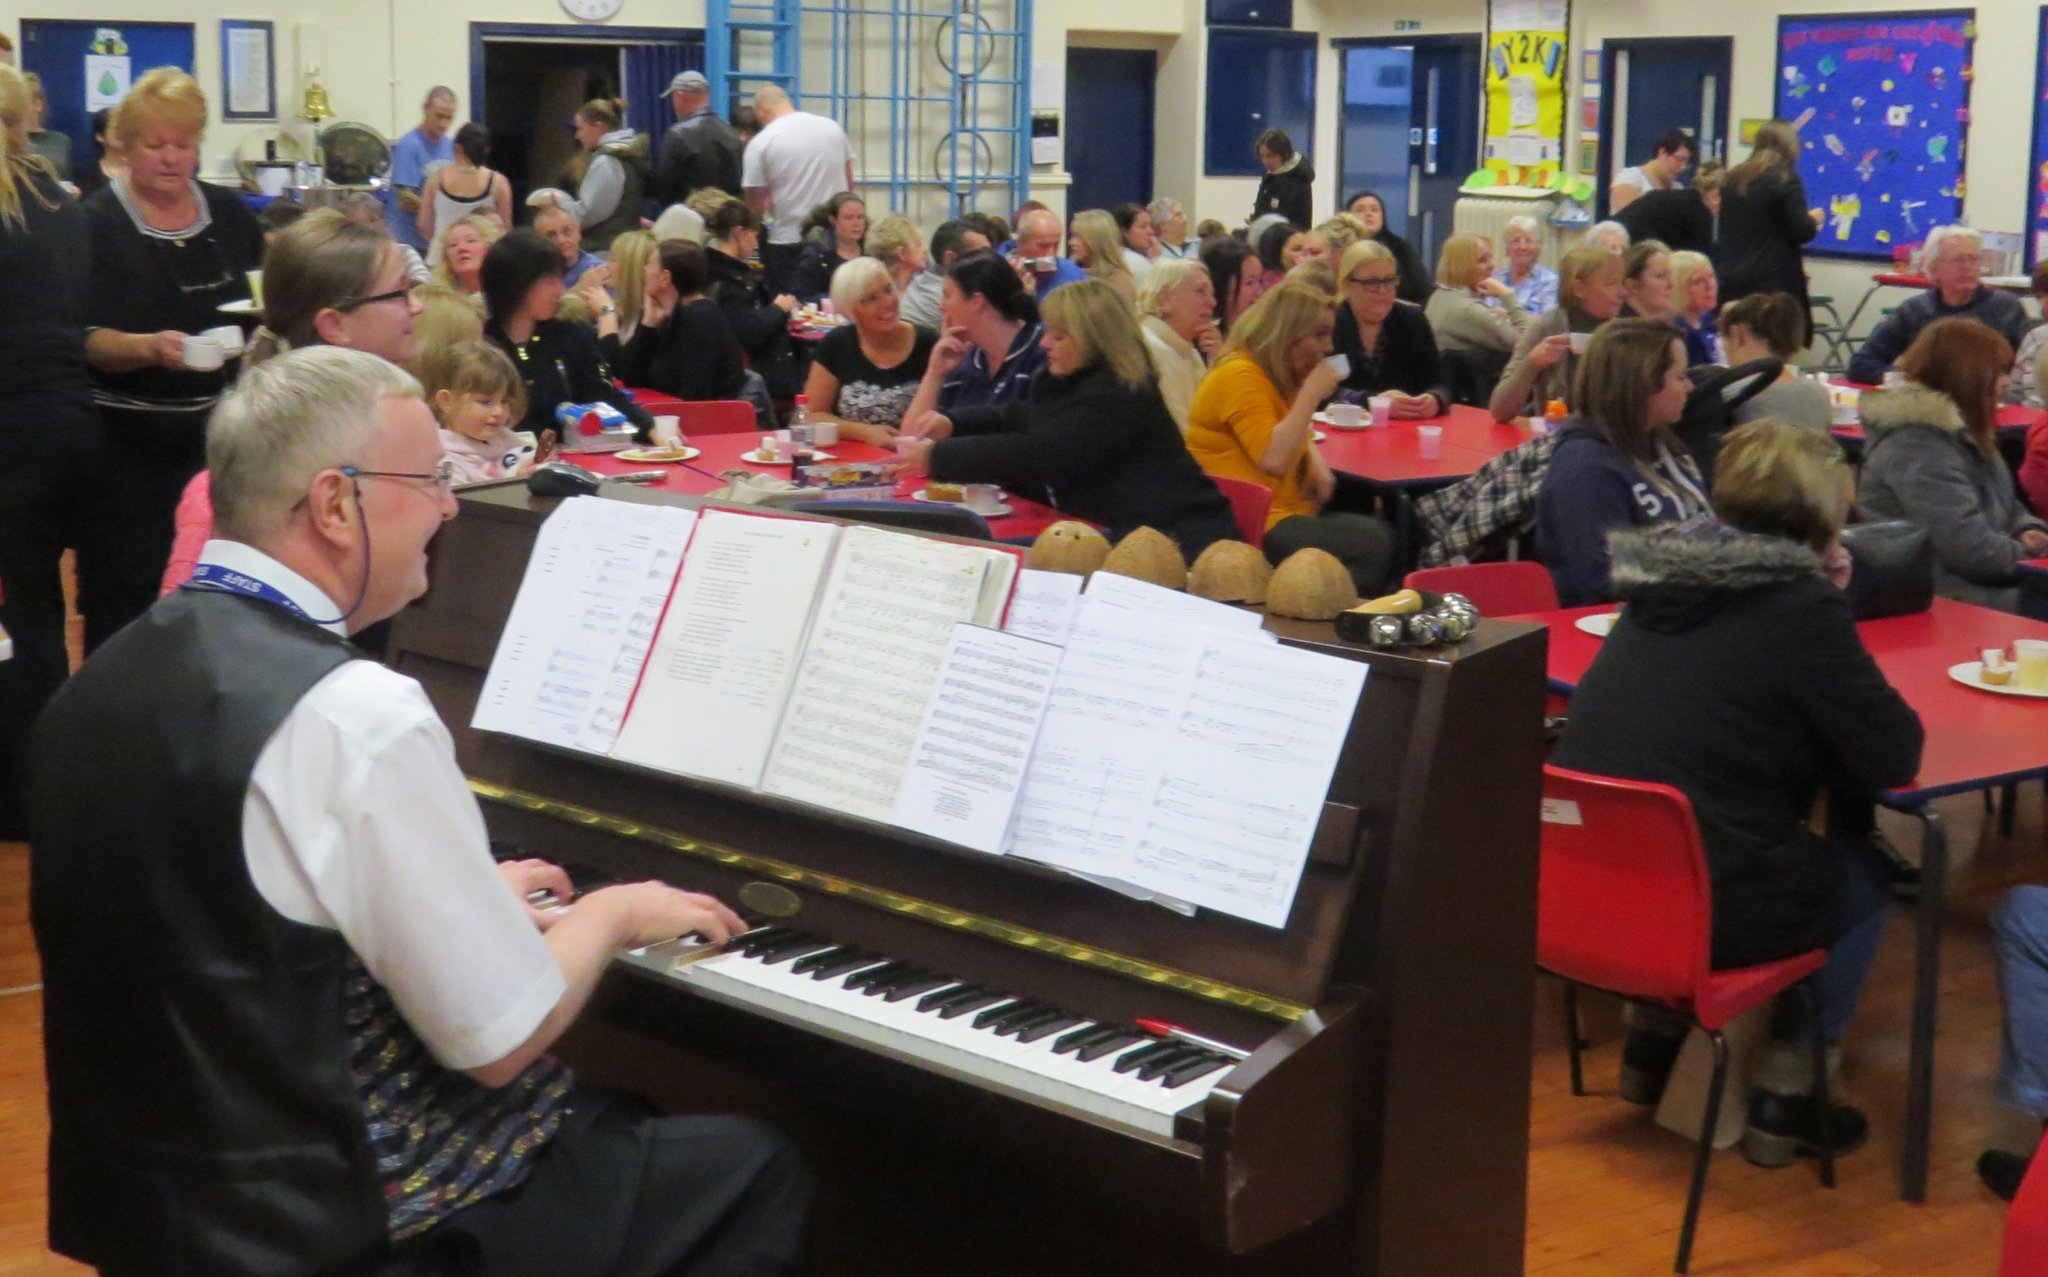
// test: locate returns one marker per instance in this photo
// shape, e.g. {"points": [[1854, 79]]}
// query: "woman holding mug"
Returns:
{"points": [[1590, 292]]}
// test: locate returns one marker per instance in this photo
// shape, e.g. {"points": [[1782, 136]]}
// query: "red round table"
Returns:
{"points": [[704, 474]]}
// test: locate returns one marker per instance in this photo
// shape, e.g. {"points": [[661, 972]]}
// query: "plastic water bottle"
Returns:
{"points": [[800, 435]]}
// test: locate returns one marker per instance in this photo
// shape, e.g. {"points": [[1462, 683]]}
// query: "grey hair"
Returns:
{"points": [[1524, 222], [1598, 229], [286, 420], [440, 93], [361, 202], [1943, 234], [852, 280], [1164, 209], [1167, 274]]}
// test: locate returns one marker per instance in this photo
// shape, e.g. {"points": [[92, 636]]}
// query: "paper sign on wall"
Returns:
{"points": [[1525, 74], [106, 80]]}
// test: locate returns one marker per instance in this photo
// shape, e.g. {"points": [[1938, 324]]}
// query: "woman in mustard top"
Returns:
{"points": [[1251, 420]]}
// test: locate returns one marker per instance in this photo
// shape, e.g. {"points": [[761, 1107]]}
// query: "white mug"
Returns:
{"points": [[229, 337], [1581, 343], [202, 354], [824, 433]]}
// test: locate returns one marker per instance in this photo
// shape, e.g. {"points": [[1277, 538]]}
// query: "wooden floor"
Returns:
{"points": [[1605, 1184]]}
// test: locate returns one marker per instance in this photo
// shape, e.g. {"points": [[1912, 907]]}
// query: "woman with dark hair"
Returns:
{"points": [[835, 233], [1773, 326], [106, 162], [757, 315], [989, 350], [1617, 464], [559, 362], [1234, 270], [1765, 222], [1141, 242], [465, 186], [1093, 432], [1287, 187], [1932, 457], [1416, 284], [683, 346], [1282, 247]]}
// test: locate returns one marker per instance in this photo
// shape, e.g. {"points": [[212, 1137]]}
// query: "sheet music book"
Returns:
{"points": [[972, 748], [882, 628], [1156, 604], [723, 661], [1044, 605], [578, 635]]}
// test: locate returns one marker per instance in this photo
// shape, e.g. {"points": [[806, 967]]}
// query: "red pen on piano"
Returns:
{"points": [[1160, 1028]]}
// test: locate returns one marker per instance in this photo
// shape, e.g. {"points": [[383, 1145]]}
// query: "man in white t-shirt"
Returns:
{"points": [[343, 1006], [1660, 172], [795, 163]]}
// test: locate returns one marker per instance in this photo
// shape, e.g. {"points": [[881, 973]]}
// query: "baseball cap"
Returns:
{"points": [[689, 82]]}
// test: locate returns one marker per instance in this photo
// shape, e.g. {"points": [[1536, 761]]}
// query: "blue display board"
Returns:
{"points": [[1883, 104], [2037, 191]]}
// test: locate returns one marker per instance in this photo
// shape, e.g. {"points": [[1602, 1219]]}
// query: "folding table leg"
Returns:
{"points": [[1571, 1036], [1926, 982]]}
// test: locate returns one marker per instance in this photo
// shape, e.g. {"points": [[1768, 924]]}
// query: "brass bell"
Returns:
{"points": [[316, 107]]}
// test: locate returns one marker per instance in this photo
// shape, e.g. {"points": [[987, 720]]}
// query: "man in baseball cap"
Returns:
{"points": [[699, 149]]}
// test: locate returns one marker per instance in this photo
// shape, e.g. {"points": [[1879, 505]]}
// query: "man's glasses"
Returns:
{"points": [[347, 304], [1376, 285], [442, 478]]}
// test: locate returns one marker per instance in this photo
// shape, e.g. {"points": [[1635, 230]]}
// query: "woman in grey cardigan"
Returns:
{"points": [[1932, 457], [1470, 309]]}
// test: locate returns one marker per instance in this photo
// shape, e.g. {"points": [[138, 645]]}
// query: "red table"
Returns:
{"points": [[2014, 420], [722, 452], [1391, 457], [1976, 741]]}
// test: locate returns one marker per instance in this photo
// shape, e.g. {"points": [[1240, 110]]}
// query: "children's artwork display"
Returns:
{"points": [[2037, 190], [1882, 101]]}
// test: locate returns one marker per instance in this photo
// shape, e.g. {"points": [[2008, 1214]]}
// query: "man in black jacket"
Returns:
{"points": [[1286, 188], [699, 150]]}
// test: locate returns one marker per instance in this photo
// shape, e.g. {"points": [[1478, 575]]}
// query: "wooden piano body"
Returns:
{"points": [[1379, 1127]]}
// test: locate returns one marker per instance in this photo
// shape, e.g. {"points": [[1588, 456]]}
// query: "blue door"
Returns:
{"points": [[1109, 127], [56, 49], [1411, 121], [1658, 85]]}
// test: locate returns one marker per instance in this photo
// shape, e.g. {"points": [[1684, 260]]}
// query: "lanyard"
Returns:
{"points": [[212, 578]]}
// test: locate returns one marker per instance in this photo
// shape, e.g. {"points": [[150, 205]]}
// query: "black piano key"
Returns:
{"points": [[1046, 1028], [904, 973], [1159, 1064], [851, 960], [868, 978], [794, 945], [1011, 1028], [760, 938], [1182, 1074], [831, 953], [997, 1017], [1083, 1036], [944, 998], [1139, 1056], [955, 1010], [1108, 1046], [903, 991]]}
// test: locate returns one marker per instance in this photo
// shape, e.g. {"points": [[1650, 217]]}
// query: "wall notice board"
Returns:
{"points": [[2037, 203], [1883, 105]]}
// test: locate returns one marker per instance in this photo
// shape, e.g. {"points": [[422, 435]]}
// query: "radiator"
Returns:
{"points": [[1488, 215]]}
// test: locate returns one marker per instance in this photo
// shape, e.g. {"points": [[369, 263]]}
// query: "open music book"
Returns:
{"points": [[1159, 744]]}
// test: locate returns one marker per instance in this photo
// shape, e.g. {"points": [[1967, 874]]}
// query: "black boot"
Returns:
{"points": [[2002, 1172], [1783, 1128], [1647, 1059]]}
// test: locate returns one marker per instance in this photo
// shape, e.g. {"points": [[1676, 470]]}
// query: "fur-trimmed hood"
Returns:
{"points": [[1910, 405], [1672, 576]]}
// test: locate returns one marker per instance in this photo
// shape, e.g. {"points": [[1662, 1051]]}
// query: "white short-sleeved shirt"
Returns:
{"points": [[801, 159], [358, 819]]}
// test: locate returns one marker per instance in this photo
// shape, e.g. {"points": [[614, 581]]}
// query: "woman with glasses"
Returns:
{"points": [[560, 362], [167, 252], [867, 372], [327, 281], [1389, 343]]}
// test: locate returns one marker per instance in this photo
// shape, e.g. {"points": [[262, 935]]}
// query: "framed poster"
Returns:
{"points": [[1883, 105], [248, 70]]}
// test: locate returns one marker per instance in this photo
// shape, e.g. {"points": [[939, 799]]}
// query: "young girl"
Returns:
{"points": [[476, 394]]}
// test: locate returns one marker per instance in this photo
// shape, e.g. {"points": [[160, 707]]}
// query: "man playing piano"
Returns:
{"points": [[295, 1020]]}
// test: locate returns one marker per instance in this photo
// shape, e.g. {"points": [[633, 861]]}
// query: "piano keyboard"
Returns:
{"points": [[994, 1039]]}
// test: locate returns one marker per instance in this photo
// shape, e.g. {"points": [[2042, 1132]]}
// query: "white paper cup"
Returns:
{"points": [[1846, 413], [824, 433], [1893, 379], [1382, 409], [773, 448], [981, 496], [2031, 656], [203, 354], [1581, 343], [1430, 441], [1346, 414], [668, 429]]}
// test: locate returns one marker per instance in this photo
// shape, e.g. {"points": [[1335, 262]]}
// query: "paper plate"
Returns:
{"points": [[1969, 674], [1323, 419], [242, 307], [1599, 625], [996, 511], [759, 459], [637, 455]]}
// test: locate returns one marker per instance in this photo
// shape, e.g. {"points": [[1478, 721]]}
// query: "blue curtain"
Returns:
{"points": [[649, 68]]}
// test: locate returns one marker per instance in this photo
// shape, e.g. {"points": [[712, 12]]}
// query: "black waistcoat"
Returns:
{"points": [[202, 1118]]}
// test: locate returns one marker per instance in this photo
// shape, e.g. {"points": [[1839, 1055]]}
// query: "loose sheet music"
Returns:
{"points": [[1155, 605], [722, 665], [882, 628], [1044, 605], [968, 762], [579, 631]]}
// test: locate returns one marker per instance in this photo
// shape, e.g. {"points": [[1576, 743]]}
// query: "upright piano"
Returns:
{"points": [[948, 1034]]}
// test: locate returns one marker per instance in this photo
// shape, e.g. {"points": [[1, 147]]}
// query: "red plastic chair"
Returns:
{"points": [[1496, 589], [1250, 504], [1623, 904], [717, 417], [2025, 1252]]}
